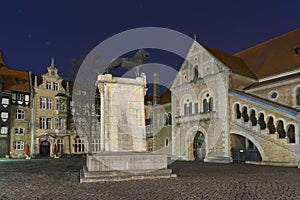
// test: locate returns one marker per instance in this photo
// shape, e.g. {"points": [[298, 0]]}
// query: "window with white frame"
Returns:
{"points": [[4, 130], [62, 105], [96, 145], [20, 114], [42, 123], [55, 86], [48, 85], [4, 116], [19, 131], [79, 145], [63, 123], [43, 103], [57, 104], [49, 123], [45, 123], [19, 145], [20, 97], [60, 146], [5, 102], [26, 98], [49, 104]]}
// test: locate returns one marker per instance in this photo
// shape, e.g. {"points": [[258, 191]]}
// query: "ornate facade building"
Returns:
{"points": [[52, 123], [241, 107]]}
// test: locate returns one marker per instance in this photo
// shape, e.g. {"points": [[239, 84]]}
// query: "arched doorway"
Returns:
{"points": [[45, 149], [243, 149], [199, 146]]}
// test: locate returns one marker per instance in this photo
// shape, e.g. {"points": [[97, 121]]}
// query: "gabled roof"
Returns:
{"points": [[274, 56], [272, 81], [15, 79], [165, 98], [236, 64]]}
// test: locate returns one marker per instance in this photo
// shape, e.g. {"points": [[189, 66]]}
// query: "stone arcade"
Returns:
{"points": [[123, 149]]}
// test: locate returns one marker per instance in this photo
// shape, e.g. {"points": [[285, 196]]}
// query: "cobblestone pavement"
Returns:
{"points": [[59, 179]]}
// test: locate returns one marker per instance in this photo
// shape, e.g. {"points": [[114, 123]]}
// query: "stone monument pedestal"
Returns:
{"points": [[123, 153], [119, 166]]}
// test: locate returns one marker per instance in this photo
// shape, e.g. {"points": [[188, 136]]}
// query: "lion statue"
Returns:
{"points": [[129, 63]]}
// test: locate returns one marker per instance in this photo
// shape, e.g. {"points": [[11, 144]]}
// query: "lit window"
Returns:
{"points": [[19, 145], [4, 130], [4, 116], [48, 85], [27, 97], [55, 86], [5, 102], [20, 114]]}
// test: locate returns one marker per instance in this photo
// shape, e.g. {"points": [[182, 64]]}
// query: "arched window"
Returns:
{"points": [[245, 114], [185, 109], [167, 142], [271, 126], [190, 108], [237, 111], [211, 104], [261, 121], [298, 96], [196, 73], [166, 119], [170, 118], [253, 118], [205, 105], [280, 129], [291, 133]]}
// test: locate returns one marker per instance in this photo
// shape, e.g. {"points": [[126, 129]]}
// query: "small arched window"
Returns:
{"points": [[205, 105], [211, 104], [167, 142], [170, 118], [196, 73]]}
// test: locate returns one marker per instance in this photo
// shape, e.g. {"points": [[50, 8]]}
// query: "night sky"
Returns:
{"points": [[34, 31]]}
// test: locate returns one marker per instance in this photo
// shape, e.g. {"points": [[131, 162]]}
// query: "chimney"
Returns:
{"points": [[2, 61], [156, 88]]}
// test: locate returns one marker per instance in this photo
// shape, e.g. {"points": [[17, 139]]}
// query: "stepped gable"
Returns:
{"points": [[278, 55]]}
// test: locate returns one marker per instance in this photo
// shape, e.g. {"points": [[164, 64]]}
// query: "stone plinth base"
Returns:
{"points": [[217, 159], [119, 166]]}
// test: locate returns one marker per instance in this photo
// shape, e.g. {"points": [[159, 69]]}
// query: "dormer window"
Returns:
{"points": [[5, 102], [20, 97], [48, 85]]}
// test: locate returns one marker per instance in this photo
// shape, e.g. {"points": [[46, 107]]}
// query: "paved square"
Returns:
{"points": [[59, 179]]}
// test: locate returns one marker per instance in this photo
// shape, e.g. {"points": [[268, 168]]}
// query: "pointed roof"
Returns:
{"points": [[15, 79], [275, 56], [236, 64]]}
